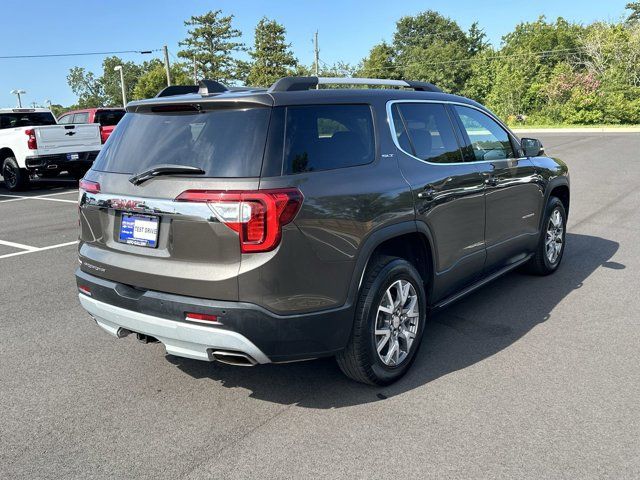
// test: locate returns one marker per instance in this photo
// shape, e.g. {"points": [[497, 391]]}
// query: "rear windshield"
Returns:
{"points": [[224, 143], [32, 119], [109, 118]]}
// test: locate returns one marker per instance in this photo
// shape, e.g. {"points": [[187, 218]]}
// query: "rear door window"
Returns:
{"points": [[108, 118], [326, 137], [65, 119], [226, 142], [426, 132]]}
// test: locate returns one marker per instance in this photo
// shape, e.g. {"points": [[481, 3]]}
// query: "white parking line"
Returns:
{"points": [[17, 245], [15, 198], [32, 249]]}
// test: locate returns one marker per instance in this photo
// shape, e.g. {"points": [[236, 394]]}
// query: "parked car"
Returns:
{"points": [[277, 225], [107, 118], [31, 143]]}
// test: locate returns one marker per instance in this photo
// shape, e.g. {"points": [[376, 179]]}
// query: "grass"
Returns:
{"points": [[564, 125]]}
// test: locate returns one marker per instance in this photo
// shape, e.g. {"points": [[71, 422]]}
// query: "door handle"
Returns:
{"points": [[427, 194]]}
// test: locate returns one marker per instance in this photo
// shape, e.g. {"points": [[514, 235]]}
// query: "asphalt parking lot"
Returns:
{"points": [[527, 378]]}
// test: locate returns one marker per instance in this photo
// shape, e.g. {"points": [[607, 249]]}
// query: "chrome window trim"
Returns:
{"points": [[392, 129]]}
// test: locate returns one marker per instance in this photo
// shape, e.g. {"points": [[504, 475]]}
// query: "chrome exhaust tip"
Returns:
{"points": [[122, 332], [237, 359]]}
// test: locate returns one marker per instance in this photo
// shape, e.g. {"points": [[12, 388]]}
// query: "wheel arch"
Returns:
{"points": [[5, 153], [557, 187], [409, 240]]}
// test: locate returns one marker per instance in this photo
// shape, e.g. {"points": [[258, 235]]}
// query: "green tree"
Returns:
{"points": [[433, 48], [155, 79], [271, 54], [212, 43], [477, 39], [634, 16], [88, 88], [380, 63], [110, 79]]}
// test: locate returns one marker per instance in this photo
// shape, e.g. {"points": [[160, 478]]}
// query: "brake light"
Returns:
{"points": [[258, 216], [32, 143], [89, 186], [103, 135]]}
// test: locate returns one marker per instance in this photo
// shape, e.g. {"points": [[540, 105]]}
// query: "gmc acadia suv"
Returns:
{"points": [[251, 226]]}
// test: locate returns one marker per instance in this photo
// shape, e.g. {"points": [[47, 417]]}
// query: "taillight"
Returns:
{"points": [[103, 135], [89, 186], [257, 216], [32, 143]]}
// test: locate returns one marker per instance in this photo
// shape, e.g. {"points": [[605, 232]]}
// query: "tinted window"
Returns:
{"points": [[64, 119], [488, 139], [324, 137], [224, 143], [430, 132], [81, 118], [108, 118], [26, 119], [400, 132]]}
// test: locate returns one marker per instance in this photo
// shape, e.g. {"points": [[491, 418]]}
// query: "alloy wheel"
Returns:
{"points": [[397, 323], [554, 238], [10, 175]]}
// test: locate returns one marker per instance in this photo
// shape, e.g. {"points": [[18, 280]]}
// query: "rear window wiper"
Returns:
{"points": [[158, 170]]}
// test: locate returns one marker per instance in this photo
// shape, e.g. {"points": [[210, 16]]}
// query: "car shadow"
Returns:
{"points": [[43, 186], [473, 329]]}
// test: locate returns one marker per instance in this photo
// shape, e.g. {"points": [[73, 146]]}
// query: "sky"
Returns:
{"points": [[347, 30]]}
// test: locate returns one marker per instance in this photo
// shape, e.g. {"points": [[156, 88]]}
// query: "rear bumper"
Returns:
{"points": [[61, 161], [180, 339], [245, 327]]}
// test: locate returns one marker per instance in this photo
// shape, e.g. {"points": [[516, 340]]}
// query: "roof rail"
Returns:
{"points": [[290, 84]]}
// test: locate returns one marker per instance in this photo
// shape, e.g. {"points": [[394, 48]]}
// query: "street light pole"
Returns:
{"points": [[124, 94], [18, 92]]}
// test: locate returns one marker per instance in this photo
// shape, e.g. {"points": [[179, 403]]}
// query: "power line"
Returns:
{"points": [[79, 54]]}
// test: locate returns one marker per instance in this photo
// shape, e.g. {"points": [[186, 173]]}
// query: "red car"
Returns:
{"points": [[108, 118]]}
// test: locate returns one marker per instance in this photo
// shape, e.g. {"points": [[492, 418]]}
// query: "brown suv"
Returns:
{"points": [[252, 226]]}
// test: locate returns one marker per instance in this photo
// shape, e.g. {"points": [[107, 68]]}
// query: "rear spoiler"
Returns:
{"points": [[204, 87]]}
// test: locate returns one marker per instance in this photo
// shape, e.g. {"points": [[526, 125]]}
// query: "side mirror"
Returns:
{"points": [[531, 147]]}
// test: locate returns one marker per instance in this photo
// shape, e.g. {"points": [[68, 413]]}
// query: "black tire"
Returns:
{"points": [[360, 360], [541, 263], [15, 178]]}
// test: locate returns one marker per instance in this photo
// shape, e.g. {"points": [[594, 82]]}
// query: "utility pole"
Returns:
{"points": [[317, 53], [166, 65], [124, 94], [195, 72]]}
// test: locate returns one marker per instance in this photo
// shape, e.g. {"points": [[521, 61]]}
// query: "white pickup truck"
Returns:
{"points": [[32, 143]]}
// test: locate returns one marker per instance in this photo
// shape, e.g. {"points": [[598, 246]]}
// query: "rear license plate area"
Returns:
{"points": [[139, 230]]}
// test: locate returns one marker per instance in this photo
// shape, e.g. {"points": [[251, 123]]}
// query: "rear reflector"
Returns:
{"points": [[89, 186], [258, 215], [84, 289], [201, 317]]}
